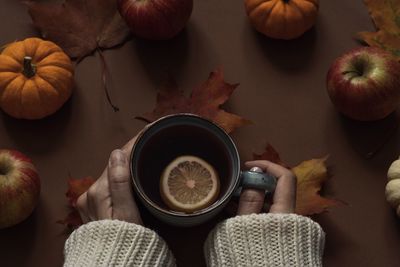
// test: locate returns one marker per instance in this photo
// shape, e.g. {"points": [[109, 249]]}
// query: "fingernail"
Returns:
{"points": [[117, 158]]}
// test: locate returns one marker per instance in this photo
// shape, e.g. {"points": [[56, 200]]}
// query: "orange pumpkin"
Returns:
{"points": [[282, 19], [36, 78]]}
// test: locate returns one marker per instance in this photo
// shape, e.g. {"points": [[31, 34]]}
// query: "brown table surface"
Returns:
{"points": [[282, 89]]}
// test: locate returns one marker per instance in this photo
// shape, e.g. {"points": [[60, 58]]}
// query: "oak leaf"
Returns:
{"points": [[205, 101], [80, 26], [386, 17], [76, 187], [311, 175]]}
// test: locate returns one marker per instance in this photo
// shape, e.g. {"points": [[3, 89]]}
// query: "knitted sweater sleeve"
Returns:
{"points": [[266, 240], [116, 243]]}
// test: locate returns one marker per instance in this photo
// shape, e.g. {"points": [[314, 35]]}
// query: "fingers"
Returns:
{"points": [[95, 203], [251, 201], [119, 181], [284, 200], [269, 167], [81, 205], [99, 200]]}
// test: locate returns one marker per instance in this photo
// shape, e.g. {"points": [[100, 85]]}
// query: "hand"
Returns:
{"points": [[284, 199], [111, 196]]}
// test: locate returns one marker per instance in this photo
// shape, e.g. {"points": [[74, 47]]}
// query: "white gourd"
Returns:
{"points": [[393, 186]]}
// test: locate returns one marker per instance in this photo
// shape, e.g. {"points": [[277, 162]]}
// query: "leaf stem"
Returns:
{"points": [[388, 136], [104, 72]]}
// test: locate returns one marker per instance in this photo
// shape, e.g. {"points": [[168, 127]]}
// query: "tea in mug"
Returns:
{"points": [[171, 146], [189, 184]]}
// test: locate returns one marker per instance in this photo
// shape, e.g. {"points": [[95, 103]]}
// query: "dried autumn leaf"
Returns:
{"points": [[72, 221], [311, 175], [76, 187], [80, 26], [270, 154], [205, 101], [386, 17]]}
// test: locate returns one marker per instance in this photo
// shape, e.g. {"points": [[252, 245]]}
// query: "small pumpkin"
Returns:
{"points": [[282, 19], [36, 78], [393, 186]]}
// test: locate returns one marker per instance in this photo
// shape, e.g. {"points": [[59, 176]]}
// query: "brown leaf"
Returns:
{"points": [[76, 187], [311, 175], [205, 101], [386, 17], [80, 26], [270, 154]]}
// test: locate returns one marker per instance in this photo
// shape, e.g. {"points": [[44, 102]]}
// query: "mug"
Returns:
{"points": [[187, 134]]}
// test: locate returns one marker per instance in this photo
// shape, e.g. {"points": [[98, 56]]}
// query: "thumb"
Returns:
{"points": [[119, 180]]}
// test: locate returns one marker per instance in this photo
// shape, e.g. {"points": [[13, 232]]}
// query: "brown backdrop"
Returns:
{"points": [[282, 89]]}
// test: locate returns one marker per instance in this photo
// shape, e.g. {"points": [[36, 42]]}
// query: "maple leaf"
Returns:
{"points": [[310, 175], [386, 17], [205, 101], [80, 26], [72, 221], [270, 154], [76, 187]]}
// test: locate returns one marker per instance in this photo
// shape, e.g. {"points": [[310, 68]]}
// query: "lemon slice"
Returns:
{"points": [[189, 184]]}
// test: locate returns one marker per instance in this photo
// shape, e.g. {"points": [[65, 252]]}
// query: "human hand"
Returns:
{"points": [[111, 196], [284, 199]]}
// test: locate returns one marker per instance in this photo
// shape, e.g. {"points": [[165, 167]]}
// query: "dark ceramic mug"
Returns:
{"points": [[187, 134]]}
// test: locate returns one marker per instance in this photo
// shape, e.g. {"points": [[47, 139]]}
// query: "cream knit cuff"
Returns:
{"points": [[116, 243], [266, 240]]}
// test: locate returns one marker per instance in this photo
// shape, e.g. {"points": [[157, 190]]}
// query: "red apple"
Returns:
{"points": [[364, 84], [156, 19], [19, 187]]}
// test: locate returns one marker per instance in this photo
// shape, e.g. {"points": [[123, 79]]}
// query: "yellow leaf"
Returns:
{"points": [[311, 175], [386, 16]]}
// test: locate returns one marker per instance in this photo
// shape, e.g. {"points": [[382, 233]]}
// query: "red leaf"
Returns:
{"points": [[205, 101], [80, 26], [72, 221], [76, 187], [270, 154]]}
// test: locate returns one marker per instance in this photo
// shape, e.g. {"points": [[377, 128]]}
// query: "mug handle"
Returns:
{"points": [[256, 179]]}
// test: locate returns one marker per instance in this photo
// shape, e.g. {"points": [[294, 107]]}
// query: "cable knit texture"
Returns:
{"points": [[266, 240], [116, 243]]}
